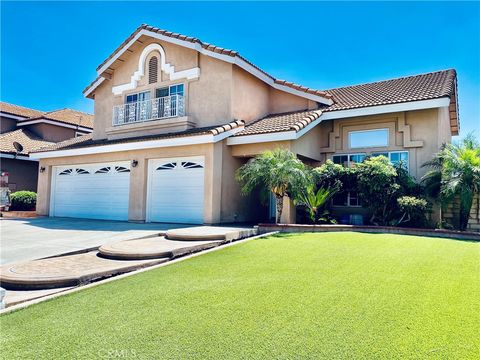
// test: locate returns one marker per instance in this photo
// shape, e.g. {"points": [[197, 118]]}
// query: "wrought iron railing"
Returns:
{"points": [[153, 109]]}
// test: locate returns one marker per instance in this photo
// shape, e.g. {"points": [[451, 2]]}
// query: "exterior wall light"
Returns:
{"points": [[134, 163], [42, 169]]}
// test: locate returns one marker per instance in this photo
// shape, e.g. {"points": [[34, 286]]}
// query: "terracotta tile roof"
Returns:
{"points": [[281, 122], [410, 88], [28, 140], [87, 141], [19, 110], [210, 47], [69, 116]]}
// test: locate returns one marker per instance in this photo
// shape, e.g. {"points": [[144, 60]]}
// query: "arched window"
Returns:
{"points": [[152, 70]]}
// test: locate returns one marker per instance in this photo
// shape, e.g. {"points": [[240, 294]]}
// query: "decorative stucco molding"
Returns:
{"points": [[192, 73], [402, 127]]}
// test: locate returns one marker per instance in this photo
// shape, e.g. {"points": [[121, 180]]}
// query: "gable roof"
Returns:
{"points": [[209, 50], [67, 116], [27, 139], [430, 86], [18, 110]]}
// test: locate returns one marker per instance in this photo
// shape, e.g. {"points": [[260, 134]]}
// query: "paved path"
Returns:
{"points": [[29, 239]]}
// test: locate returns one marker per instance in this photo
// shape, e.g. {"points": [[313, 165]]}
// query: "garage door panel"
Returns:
{"points": [[95, 191], [176, 190]]}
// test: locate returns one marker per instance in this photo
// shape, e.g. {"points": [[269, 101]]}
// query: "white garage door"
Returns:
{"points": [[176, 190], [92, 191]]}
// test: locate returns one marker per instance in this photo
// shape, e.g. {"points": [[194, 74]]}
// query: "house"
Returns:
{"points": [[23, 130], [175, 117]]}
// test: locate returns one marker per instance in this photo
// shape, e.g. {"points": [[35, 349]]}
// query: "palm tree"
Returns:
{"points": [[315, 201], [278, 171], [455, 174]]}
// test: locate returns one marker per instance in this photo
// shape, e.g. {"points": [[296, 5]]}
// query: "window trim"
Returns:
{"points": [[369, 146]]}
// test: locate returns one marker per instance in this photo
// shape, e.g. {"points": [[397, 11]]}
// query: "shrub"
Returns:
{"points": [[23, 200], [413, 210]]}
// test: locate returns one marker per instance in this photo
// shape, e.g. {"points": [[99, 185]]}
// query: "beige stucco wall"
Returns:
{"points": [[417, 132], [223, 92]]}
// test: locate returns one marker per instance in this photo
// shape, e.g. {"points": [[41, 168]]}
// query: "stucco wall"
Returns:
{"points": [[50, 132]]}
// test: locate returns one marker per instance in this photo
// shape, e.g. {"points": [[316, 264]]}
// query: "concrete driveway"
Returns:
{"points": [[28, 239]]}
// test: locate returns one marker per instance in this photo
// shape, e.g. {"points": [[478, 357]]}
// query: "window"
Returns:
{"points": [[132, 98], [153, 70], [170, 90], [395, 157], [347, 199], [368, 138], [348, 160]]}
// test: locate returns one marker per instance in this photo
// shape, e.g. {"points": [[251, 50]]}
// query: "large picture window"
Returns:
{"points": [[368, 138]]}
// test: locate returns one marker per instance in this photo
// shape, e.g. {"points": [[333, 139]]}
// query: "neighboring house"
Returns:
{"points": [[176, 117], [23, 130]]}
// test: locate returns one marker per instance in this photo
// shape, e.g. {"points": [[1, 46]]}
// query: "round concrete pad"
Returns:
{"points": [[153, 248], [65, 271], [219, 233]]}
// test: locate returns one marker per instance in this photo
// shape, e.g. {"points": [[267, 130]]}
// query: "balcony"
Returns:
{"points": [[148, 110]]}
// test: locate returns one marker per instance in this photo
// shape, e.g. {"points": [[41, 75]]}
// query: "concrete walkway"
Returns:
{"points": [[29, 239]]}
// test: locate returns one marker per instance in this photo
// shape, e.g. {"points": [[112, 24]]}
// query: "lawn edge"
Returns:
{"points": [[132, 273]]}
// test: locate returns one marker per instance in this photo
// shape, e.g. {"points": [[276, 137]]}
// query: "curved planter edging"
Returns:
{"points": [[451, 234]]}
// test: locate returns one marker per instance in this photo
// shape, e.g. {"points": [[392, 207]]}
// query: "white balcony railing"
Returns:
{"points": [[153, 109]]}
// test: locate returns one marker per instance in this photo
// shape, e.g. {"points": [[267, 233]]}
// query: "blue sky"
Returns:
{"points": [[49, 51]]}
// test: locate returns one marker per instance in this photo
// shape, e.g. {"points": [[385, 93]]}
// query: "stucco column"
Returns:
{"points": [[213, 184], [43, 189], [288, 213], [138, 190]]}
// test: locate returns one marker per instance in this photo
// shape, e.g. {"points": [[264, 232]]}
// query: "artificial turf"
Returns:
{"points": [[330, 295]]}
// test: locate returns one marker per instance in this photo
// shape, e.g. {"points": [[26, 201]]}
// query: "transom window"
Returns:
{"points": [[170, 90], [348, 160], [368, 138], [132, 98]]}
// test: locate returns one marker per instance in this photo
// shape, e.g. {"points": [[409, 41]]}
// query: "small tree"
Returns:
{"points": [[278, 171], [455, 174], [378, 187]]}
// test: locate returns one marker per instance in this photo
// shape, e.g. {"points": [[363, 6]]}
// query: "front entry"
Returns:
{"points": [[175, 191]]}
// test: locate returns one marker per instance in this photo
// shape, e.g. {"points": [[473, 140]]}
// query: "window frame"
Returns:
{"points": [[349, 205], [348, 157], [378, 153], [368, 146], [169, 90]]}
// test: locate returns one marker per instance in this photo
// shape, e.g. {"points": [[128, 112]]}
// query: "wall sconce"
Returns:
{"points": [[42, 169], [134, 163]]}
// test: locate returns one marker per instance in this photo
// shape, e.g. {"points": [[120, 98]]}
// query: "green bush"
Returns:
{"points": [[413, 210], [23, 200]]}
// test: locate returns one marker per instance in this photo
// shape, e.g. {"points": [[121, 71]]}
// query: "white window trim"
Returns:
{"points": [[368, 146]]}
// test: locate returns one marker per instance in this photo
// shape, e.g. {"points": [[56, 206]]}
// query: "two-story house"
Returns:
{"points": [[23, 130], [176, 117]]}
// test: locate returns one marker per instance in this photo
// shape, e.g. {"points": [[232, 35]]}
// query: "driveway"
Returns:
{"points": [[29, 239]]}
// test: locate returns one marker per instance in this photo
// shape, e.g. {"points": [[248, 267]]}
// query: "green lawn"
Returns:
{"points": [[335, 295]]}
